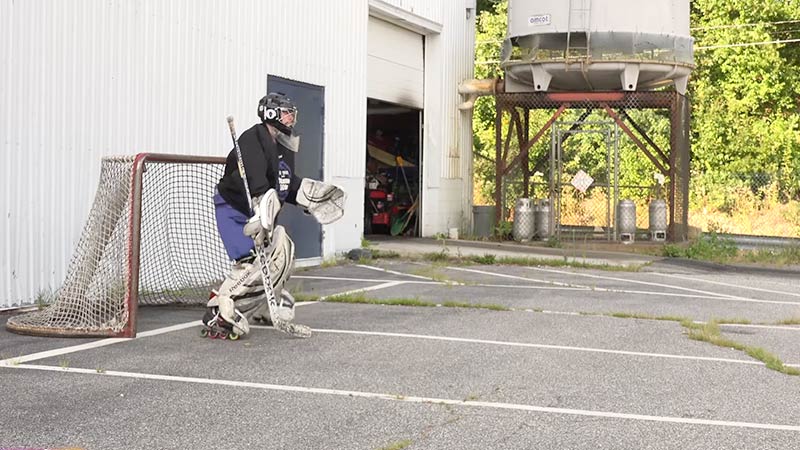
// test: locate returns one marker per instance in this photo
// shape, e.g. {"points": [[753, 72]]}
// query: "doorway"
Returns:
{"points": [[310, 101], [393, 168]]}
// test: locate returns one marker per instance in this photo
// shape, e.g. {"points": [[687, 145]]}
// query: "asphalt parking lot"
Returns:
{"points": [[487, 357]]}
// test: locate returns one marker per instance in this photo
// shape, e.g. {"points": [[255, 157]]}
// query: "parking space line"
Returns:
{"points": [[414, 399], [625, 280], [10, 362], [385, 285], [531, 345], [720, 283], [364, 280], [517, 277], [568, 286], [768, 327], [394, 272]]}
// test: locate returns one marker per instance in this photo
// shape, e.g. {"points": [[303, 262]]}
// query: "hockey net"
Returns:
{"points": [[150, 239]]}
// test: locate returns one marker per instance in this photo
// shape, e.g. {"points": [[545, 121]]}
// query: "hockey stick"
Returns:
{"points": [[294, 329]]}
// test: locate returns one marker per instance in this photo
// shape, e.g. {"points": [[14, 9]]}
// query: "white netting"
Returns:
{"points": [[181, 256]]}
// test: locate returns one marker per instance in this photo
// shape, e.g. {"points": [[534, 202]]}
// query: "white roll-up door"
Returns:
{"points": [[395, 64]]}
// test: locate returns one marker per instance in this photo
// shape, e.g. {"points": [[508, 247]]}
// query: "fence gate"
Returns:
{"points": [[584, 179]]}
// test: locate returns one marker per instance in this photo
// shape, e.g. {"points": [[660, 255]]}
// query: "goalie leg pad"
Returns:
{"points": [[281, 257], [232, 315], [265, 209]]}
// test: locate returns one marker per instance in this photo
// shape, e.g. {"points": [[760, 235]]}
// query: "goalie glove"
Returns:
{"points": [[265, 208], [322, 200]]}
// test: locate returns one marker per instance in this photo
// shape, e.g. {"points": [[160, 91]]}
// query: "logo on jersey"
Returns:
{"points": [[284, 178]]}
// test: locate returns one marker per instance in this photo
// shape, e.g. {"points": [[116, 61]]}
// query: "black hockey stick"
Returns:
{"points": [[294, 329]]}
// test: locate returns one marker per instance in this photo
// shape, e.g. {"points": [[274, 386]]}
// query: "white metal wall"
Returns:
{"points": [[395, 64], [448, 132], [84, 79]]}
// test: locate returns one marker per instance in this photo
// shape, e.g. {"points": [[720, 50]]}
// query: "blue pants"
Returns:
{"points": [[230, 223]]}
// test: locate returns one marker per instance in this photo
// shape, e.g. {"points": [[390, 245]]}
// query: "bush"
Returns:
{"points": [[708, 247]]}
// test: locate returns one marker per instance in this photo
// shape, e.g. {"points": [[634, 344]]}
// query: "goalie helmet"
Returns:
{"points": [[278, 110]]}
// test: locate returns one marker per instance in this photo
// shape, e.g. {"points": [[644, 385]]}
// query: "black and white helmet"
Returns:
{"points": [[279, 111]]}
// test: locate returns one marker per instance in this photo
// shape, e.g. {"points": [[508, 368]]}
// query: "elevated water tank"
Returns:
{"points": [[603, 45]]}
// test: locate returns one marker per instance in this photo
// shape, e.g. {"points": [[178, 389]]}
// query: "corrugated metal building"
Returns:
{"points": [[82, 79]]}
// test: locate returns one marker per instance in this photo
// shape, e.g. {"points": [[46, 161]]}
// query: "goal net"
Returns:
{"points": [[151, 239]]}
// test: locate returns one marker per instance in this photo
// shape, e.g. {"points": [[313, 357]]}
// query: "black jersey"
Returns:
{"points": [[268, 164]]}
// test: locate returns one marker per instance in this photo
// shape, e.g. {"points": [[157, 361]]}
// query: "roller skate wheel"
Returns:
{"points": [[203, 332], [233, 337]]}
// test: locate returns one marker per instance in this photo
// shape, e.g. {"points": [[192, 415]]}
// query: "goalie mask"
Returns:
{"points": [[278, 110]]}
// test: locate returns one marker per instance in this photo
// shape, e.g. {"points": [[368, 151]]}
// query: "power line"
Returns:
{"points": [[741, 25], [746, 44]]}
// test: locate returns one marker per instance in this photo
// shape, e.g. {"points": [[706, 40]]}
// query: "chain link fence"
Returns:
{"points": [[584, 154]]}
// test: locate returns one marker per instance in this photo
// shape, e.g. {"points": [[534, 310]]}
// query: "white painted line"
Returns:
{"points": [[516, 277], [768, 327], [363, 280], [366, 289], [394, 272], [93, 344], [540, 346], [647, 283], [516, 286], [181, 326], [569, 286], [110, 341], [413, 399], [719, 283]]}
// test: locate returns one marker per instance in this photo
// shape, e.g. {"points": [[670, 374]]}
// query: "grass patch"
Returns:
{"points": [[436, 256], [362, 299], [711, 247], [707, 247], [331, 262], [430, 272], [709, 332], [783, 256], [487, 259], [791, 321], [626, 315], [383, 254], [522, 261], [399, 445], [303, 297], [734, 321], [490, 306]]}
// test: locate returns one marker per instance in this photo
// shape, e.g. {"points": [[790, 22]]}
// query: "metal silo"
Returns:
{"points": [[587, 45]]}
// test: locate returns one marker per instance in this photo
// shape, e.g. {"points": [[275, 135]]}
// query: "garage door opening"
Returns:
{"points": [[393, 154]]}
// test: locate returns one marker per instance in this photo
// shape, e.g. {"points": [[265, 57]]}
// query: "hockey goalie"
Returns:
{"points": [[266, 152]]}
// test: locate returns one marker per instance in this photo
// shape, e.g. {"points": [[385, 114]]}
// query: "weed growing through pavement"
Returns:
{"points": [[790, 321], [361, 299], [303, 297], [399, 445], [710, 332]]}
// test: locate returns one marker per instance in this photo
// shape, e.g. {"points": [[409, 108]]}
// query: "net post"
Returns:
{"points": [[134, 245]]}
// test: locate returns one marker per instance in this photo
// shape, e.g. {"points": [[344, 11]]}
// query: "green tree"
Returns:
{"points": [[745, 97]]}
